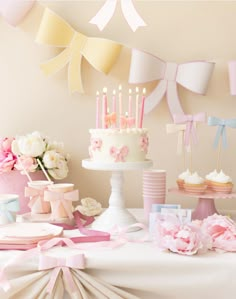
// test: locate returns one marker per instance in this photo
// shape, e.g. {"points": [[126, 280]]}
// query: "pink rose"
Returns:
{"points": [[7, 158], [28, 163], [182, 239], [222, 231]]}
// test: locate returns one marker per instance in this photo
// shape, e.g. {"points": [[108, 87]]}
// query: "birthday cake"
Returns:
{"points": [[118, 145]]}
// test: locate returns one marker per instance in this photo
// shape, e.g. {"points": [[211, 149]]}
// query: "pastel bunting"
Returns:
{"points": [[221, 131], [100, 53], [105, 14], [193, 75], [14, 11]]}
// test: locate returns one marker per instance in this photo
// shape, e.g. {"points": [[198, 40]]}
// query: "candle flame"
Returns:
{"points": [[137, 89], [120, 87], [144, 91], [114, 92], [104, 90], [130, 91], [97, 93]]}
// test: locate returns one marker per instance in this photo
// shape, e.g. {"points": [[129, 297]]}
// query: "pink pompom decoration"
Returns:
{"points": [[222, 231], [184, 239], [14, 11]]}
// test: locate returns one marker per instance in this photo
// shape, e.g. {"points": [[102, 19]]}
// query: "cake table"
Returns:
{"points": [[206, 204], [116, 214]]}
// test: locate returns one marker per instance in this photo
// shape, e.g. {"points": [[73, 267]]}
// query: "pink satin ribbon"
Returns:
{"points": [[193, 75], [105, 14], [14, 11], [64, 264], [36, 195], [190, 121], [62, 199]]}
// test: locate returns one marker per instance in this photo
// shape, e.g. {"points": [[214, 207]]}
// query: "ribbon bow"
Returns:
{"points": [[35, 194], [57, 264], [180, 129], [100, 53], [190, 121], [110, 119], [7, 207], [126, 122], [105, 14], [15, 11], [191, 75], [119, 153], [62, 199], [221, 131]]}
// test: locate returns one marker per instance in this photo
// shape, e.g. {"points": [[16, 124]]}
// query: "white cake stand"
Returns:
{"points": [[116, 214]]}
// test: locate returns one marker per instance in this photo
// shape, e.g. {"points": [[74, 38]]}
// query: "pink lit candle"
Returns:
{"points": [[130, 103], [120, 100], [104, 112], [136, 107], [97, 109], [142, 109], [114, 104]]}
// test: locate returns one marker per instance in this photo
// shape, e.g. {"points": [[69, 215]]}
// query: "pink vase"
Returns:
{"points": [[14, 182]]}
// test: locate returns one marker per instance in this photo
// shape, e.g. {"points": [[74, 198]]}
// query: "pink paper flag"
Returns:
{"points": [[14, 11], [193, 75]]}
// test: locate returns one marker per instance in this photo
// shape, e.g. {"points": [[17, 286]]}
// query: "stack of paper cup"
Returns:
{"points": [[154, 189]]}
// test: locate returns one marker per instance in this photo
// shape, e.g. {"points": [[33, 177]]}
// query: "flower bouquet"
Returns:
{"points": [[28, 153]]}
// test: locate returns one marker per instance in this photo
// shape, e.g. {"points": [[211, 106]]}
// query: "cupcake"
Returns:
{"points": [[181, 178], [221, 183], [195, 184], [209, 177]]}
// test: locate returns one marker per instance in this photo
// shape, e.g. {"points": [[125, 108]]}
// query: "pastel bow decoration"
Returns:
{"points": [[64, 264], [193, 75], [62, 199], [100, 53], [105, 14], [180, 129], [35, 194], [119, 154], [14, 11], [221, 131], [6, 208], [110, 119], [126, 122], [190, 121]]}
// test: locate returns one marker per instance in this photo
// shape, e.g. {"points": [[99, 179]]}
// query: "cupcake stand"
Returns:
{"points": [[116, 215], [206, 202]]}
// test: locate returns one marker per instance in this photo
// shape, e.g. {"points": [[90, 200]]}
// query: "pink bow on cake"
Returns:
{"points": [[126, 122], [14, 11], [110, 119], [104, 15], [64, 264], [193, 75], [119, 154], [190, 121]]}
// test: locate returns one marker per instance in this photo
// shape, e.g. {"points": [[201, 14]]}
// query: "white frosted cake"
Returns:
{"points": [[118, 145]]}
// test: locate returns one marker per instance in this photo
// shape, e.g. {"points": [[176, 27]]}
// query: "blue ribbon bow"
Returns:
{"points": [[7, 207], [221, 131]]}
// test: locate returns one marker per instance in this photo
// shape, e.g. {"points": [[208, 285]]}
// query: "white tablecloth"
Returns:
{"points": [[144, 271]]}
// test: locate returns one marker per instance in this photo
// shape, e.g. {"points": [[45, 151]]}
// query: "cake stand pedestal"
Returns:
{"points": [[116, 215], [206, 202]]}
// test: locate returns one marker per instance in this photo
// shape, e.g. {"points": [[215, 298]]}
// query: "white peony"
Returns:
{"points": [[89, 207], [32, 145], [51, 159], [60, 171]]}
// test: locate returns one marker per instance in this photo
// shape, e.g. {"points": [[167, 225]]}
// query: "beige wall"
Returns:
{"points": [[177, 31]]}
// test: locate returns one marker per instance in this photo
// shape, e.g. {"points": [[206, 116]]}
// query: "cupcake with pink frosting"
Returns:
{"points": [[195, 184], [221, 183], [181, 178]]}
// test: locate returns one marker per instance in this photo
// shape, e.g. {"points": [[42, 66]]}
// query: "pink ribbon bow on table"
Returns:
{"points": [[62, 199], [190, 121], [119, 154], [193, 75], [64, 264], [35, 194], [105, 14], [14, 11], [126, 122]]}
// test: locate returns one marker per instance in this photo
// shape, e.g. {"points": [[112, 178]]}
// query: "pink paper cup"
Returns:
{"points": [[58, 211], [39, 206]]}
